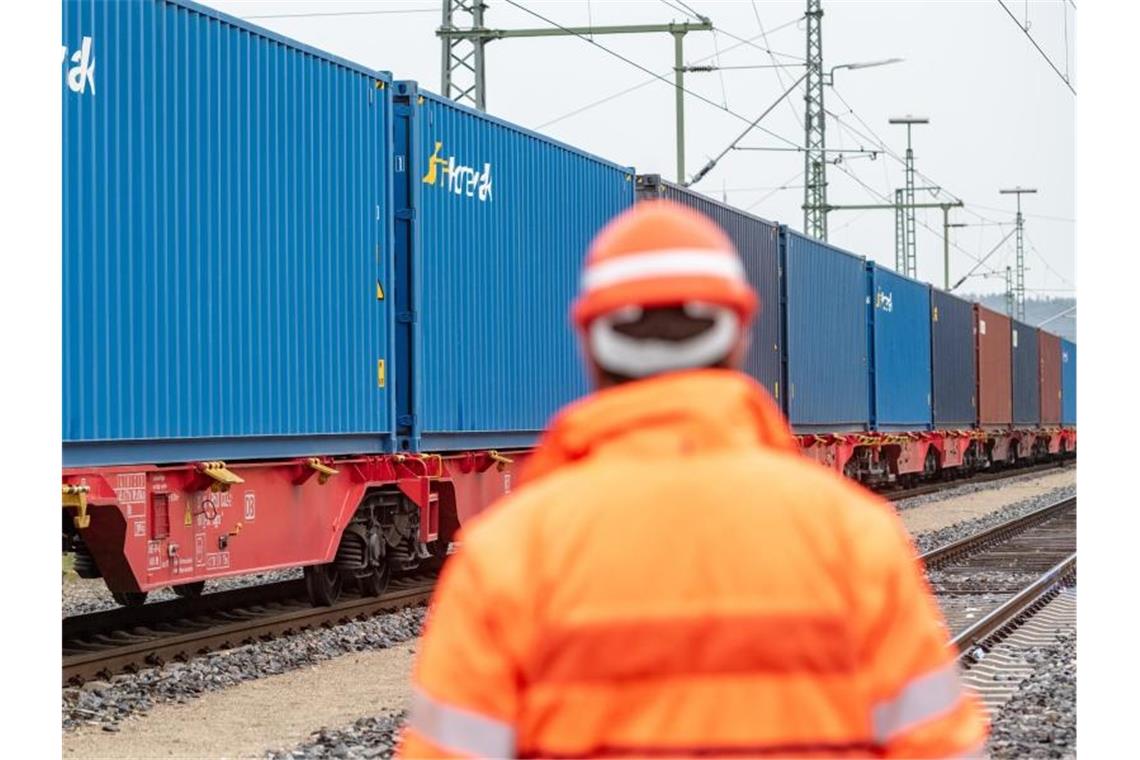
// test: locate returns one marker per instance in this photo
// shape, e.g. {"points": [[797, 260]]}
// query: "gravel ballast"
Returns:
{"points": [[369, 737], [967, 489], [935, 538], [105, 704], [1040, 719]]}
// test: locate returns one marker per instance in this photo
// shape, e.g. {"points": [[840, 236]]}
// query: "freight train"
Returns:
{"points": [[315, 316]]}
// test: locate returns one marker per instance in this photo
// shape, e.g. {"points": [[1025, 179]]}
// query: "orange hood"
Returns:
{"points": [[671, 414]]}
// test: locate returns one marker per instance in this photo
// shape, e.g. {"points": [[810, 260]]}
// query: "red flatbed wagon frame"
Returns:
{"points": [[147, 526]]}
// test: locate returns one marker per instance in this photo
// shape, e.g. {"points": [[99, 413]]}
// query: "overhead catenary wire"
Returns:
{"points": [[782, 186], [1025, 30], [1043, 260], [876, 139], [627, 90], [981, 261], [719, 69], [1058, 316], [713, 162], [880, 196], [772, 58], [385, 12], [1026, 214], [689, 8], [738, 38], [638, 66]]}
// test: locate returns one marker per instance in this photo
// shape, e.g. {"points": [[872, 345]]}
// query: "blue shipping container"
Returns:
{"points": [[1026, 372], [825, 336], [1068, 383], [503, 218], [954, 361], [758, 242], [899, 309], [225, 197]]}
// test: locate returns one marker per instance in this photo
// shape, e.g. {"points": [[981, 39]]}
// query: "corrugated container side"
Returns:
{"points": [[504, 217], [1049, 354], [222, 239], [1068, 383], [899, 308], [954, 360], [758, 242], [995, 390], [825, 336], [1026, 366]]}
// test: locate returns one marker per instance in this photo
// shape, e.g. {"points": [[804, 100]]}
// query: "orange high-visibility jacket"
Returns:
{"points": [[674, 578]]}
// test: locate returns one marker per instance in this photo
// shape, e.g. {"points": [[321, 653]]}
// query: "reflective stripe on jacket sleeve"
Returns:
{"points": [[924, 698], [459, 729]]}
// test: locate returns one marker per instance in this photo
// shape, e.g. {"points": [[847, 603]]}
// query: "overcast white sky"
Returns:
{"points": [[999, 115]]}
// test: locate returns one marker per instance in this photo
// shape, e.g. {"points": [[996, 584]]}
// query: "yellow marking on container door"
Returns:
{"points": [[380, 373], [379, 291]]}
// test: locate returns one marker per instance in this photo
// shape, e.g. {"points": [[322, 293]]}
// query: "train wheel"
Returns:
{"points": [[129, 598], [376, 583], [324, 583], [190, 590]]}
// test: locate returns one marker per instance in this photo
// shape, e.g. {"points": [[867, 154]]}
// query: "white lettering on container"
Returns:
{"points": [[82, 73]]}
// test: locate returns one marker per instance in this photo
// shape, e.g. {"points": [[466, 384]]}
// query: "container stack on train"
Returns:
{"points": [[316, 316], [887, 378]]}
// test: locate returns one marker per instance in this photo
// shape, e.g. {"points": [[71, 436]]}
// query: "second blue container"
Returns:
{"points": [[825, 336], [499, 220], [899, 309]]}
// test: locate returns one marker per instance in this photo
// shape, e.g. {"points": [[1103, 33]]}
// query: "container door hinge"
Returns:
{"points": [[406, 420], [324, 472], [406, 317], [76, 496], [223, 477], [406, 213]]}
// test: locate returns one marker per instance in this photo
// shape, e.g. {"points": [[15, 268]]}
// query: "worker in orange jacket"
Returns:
{"points": [[673, 577]]}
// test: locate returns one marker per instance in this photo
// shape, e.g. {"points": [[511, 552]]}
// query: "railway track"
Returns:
{"points": [[103, 644], [981, 573], [1006, 590]]}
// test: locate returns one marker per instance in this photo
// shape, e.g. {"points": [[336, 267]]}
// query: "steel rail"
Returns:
{"points": [[998, 533], [106, 622], [974, 640], [126, 651]]}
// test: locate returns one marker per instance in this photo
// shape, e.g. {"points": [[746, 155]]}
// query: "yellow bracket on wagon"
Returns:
{"points": [[324, 472], [76, 496], [223, 477], [500, 458]]}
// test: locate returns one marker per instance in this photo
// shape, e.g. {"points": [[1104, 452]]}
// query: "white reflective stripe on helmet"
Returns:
{"points": [[460, 730], [641, 357], [924, 698], [670, 262]]}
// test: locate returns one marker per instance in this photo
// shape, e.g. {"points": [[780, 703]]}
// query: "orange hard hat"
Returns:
{"points": [[660, 253]]}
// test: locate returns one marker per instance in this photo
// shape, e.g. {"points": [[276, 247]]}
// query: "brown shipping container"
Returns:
{"points": [[1049, 351], [995, 385]]}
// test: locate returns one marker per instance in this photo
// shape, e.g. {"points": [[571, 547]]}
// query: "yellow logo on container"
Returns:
{"points": [[461, 179]]}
